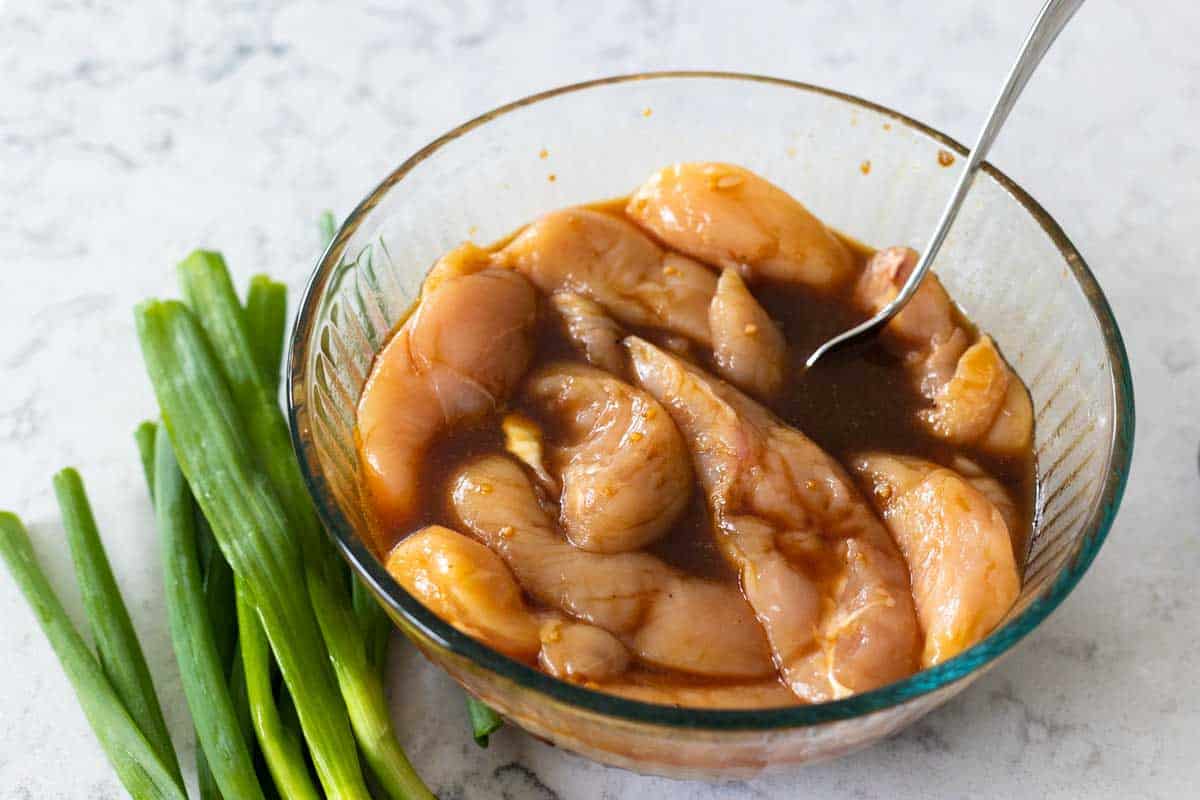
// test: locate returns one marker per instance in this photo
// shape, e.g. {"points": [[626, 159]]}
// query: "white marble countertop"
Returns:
{"points": [[131, 133]]}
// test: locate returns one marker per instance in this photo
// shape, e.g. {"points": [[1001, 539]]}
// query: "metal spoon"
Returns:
{"points": [[1050, 22]]}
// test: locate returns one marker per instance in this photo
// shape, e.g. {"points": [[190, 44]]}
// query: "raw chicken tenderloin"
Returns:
{"points": [[591, 330], [821, 572], [609, 261], [577, 651], [995, 492], [732, 218], [459, 355], [664, 617], [748, 347], [977, 398], [957, 546], [592, 262], [469, 586], [623, 468]]}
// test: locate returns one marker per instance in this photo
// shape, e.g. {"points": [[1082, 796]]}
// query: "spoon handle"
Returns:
{"points": [[1049, 23]]}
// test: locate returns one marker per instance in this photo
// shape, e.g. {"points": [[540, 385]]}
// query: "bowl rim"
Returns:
{"points": [[400, 602]]}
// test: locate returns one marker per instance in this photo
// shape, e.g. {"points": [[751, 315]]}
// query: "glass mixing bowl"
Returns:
{"points": [[868, 171]]}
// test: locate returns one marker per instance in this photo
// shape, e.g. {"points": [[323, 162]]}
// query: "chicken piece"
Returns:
{"points": [[728, 216], [663, 691], [748, 347], [576, 651], [957, 546], [925, 332], [623, 468], [592, 331], [820, 571], [995, 492], [664, 617], [592, 262], [984, 404], [465, 259], [465, 347], [977, 398], [611, 262], [468, 586]]}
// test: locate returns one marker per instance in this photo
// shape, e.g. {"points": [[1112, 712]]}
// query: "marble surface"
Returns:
{"points": [[132, 132]]}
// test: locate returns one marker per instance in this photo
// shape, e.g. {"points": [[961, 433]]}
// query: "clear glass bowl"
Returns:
{"points": [[868, 171]]}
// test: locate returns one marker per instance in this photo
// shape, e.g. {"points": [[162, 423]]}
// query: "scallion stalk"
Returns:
{"points": [[144, 436], [282, 749], [200, 664], [138, 764], [218, 578], [218, 596], [266, 318], [205, 779], [214, 450], [117, 647], [376, 626], [209, 292], [278, 733], [327, 225], [484, 721]]}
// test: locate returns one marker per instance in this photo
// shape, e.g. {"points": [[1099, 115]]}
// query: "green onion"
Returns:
{"points": [[222, 613], [138, 764], [209, 291], [282, 749], [376, 626], [205, 778], [117, 648], [278, 734], [218, 595], [266, 319], [218, 585], [241, 709], [240, 693], [202, 418], [144, 436], [327, 225], [200, 664], [287, 708], [484, 721]]}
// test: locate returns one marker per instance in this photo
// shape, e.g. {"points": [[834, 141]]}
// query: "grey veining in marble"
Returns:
{"points": [[132, 132]]}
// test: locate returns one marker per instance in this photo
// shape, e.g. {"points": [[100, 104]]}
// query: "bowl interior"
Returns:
{"points": [[867, 171]]}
